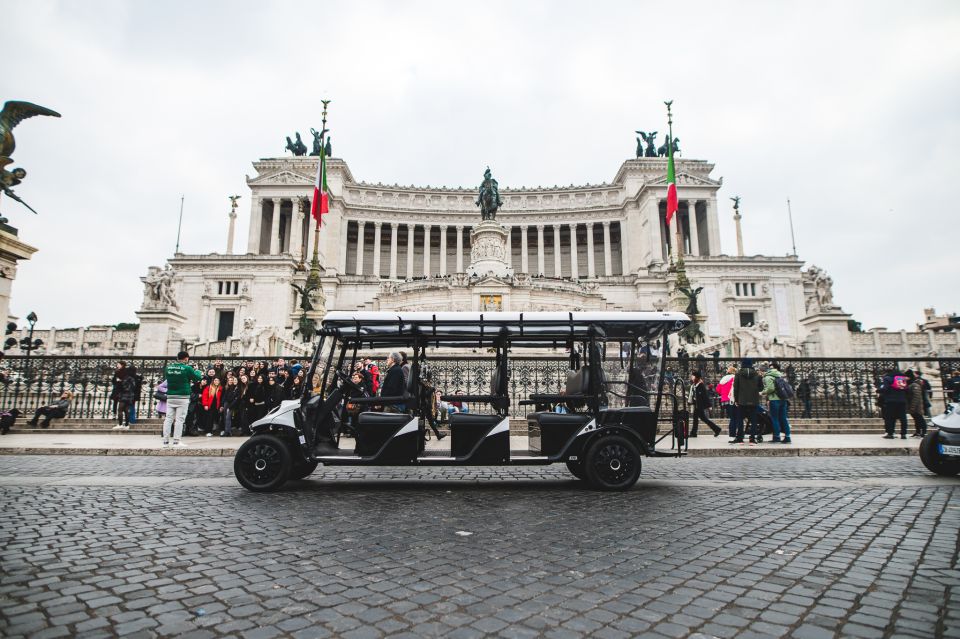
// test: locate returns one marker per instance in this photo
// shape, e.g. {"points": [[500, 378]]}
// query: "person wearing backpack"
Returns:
{"points": [[746, 395], [778, 392], [915, 403], [893, 394]]}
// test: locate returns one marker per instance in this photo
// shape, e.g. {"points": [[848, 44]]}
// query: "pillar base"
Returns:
{"points": [[159, 333], [829, 329], [12, 250], [488, 250]]}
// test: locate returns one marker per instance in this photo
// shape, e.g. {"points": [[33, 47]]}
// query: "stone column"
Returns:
{"points": [[275, 227], [591, 258], [411, 231], [509, 246], [377, 226], [459, 248], [360, 225], [256, 222], [557, 254], [574, 258], [541, 269], [694, 231], [296, 230], [443, 249], [713, 227], [524, 258], [230, 234], [426, 250], [394, 228], [607, 256]]}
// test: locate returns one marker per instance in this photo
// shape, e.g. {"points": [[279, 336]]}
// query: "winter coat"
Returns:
{"points": [[891, 395], [127, 391], [161, 403], [770, 385], [700, 397], [393, 385], [747, 384], [211, 397], [231, 397], [725, 387], [915, 397], [275, 395]]}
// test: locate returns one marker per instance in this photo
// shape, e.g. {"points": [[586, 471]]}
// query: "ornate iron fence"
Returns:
{"points": [[839, 388]]}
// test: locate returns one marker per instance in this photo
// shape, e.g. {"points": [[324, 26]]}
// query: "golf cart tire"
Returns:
{"points": [[576, 469], [612, 463], [933, 460], [263, 464]]}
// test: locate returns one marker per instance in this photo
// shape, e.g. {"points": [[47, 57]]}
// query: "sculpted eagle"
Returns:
{"points": [[13, 113]]}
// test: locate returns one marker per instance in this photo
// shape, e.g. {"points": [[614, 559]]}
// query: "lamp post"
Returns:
{"points": [[27, 345]]}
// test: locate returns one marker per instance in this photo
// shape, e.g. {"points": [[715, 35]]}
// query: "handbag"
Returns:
{"points": [[160, 396]]}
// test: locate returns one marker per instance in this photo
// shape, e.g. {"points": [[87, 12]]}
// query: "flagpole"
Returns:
{"points": [[793, 239], [679, 240], [314, 278]]}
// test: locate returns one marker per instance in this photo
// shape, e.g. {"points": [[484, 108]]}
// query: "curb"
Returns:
{"points": [[701, 452]]}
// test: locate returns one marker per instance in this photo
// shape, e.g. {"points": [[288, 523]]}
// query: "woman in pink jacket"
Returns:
{"points": [[725, 389]]}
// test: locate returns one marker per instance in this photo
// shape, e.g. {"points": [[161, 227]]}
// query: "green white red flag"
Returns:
{"points": [[672, 202], [321, 195]]}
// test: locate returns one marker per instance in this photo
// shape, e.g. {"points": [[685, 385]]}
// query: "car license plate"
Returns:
{"points": [[949, 450]]}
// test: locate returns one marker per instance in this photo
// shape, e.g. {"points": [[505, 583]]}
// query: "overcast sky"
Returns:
{"points": [[850, 109]]}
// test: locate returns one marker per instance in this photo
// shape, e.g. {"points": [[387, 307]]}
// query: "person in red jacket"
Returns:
{"points": [[210, 401]]}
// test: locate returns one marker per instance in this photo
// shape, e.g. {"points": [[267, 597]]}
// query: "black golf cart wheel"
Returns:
{"points": [[262, 463], [612, 463], [576, 468], [303, 469], [933, 460]]}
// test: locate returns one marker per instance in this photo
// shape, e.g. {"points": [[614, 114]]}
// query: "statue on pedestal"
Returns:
{"points": [[159, 293], [821, 298], [298, 148], [650, 139], [489, 198]]}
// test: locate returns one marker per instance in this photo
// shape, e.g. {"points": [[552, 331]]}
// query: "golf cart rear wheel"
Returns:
{"points": [[612, 463], [933, 460], [262, 463], [576, 468]]}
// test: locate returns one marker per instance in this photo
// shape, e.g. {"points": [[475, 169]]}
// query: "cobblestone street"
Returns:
{"points": [[156, 546]]}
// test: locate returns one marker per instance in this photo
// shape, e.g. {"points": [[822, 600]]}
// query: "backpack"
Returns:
{"points": [[899, 382], [783, 388]]}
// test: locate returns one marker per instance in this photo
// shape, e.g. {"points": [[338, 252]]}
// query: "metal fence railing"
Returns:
{"points": [[830, 388]]}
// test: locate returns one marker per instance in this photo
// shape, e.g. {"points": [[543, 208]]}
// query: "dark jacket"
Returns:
{"points": [[127, 390], [701, 396], [231, 397], [889, 394], [275, 395], [746, 387], [915, 397], [393, 383]]}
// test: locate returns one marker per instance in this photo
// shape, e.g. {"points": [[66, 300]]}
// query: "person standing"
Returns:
{"points": [[160, 394], [893, 394], [804, 394], [210, 401], [393, 385], [275, 391], [126, 392], [778, 404], [746, 395], [179, 376], [725, 389], [916, 394], [258, 401], [927, 393], [700, 402]]}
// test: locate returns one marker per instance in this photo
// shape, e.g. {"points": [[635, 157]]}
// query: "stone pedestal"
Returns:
{"points": [[488, 250], [828, 328], [159, 333], [11, 251]]}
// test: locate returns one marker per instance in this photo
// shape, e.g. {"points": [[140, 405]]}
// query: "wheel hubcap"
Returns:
{"points": [[614, 464], [261, 463]]}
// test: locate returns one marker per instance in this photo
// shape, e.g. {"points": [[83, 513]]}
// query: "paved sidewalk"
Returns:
{"points": [[703, 446]]}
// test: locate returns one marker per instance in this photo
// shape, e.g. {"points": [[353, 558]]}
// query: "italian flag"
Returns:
{"points": [[671, 184], [321, 195]]}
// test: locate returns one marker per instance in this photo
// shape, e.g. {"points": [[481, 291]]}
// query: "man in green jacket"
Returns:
{"points": [[778, 405], [180, 376]]}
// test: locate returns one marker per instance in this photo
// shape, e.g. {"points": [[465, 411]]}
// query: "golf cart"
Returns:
{"points": [[601, 420], [940, 447]]}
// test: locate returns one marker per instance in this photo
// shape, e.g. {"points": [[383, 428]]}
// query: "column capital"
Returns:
{"points": [[443, 227], [411, 226], [378, 223], [428, 226], [692, 202], [277, 200], [606, 224], [589, 225], [361, 223], [540, 227], [459, 228]]}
